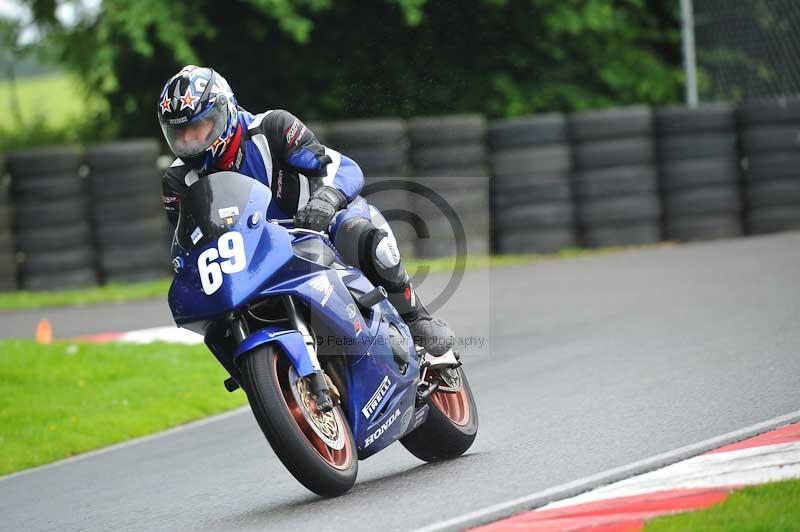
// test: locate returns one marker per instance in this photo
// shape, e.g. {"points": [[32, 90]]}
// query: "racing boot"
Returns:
{"points": [[429, 332]]}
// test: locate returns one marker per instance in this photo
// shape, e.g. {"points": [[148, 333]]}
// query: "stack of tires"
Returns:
{"points": [[449, 146], [531, 194], [699, 172], [451, 184], [615, 180], [8, 262], [380, 148], [130, 228], [53, 235], [770, 141]]}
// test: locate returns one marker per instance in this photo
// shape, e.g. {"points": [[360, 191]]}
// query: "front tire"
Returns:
{"points": [[318, 450], [451, 426]]}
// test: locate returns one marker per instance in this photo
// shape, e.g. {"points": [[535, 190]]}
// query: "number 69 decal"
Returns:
{"points": [[230, 246]]}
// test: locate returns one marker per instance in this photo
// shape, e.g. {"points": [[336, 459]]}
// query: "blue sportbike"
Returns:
{"points": [[289, 320]]}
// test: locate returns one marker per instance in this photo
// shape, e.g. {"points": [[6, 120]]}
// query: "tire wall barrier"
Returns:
{"points": [[699, 171], [71, 217], [450, 165], [128, 220], [532, 200], [8, 261], [615, 177], [82, 217], [52, 229], [770, 148]]}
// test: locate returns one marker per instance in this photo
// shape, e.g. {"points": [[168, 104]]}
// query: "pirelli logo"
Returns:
{"points": [[375, 401]]}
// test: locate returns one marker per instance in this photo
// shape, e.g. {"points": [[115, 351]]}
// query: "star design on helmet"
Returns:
{"points": [[165, 104], [188, 100], [219, 144]]}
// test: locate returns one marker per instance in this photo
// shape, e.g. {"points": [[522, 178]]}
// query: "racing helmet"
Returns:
{"points": [[199, 116]]}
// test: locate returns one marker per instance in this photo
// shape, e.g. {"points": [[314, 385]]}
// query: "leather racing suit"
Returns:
{"points": [[278, 150]]}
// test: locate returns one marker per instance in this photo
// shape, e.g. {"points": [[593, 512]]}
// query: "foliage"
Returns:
{"points": [[49, 109], [330, 60]]}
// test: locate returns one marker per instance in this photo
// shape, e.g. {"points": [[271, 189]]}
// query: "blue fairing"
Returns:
{"points": [[267, 248], [290, 342], [381, 392]]}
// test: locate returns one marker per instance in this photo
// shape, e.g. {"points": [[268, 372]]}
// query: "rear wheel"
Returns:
{"points": [[452, 422], [318, 449]]}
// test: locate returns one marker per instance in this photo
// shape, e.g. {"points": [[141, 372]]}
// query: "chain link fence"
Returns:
{"points": [[747, 49]]}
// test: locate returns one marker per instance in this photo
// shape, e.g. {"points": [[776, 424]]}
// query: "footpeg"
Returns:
{"points": [[447, 360], [426, 392], [231, 385]]}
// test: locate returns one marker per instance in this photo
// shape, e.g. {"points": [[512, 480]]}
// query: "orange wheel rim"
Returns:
{"points": [[337, 458], [453, 404]]}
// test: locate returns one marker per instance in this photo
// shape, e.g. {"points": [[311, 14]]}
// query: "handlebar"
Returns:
{"points": [[296, 230], [282, 221]]}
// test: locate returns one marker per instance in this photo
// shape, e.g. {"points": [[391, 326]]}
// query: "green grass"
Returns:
{"points": [[110, 293], [121, 293], [62, 399], [54, 101], [773, 507]]}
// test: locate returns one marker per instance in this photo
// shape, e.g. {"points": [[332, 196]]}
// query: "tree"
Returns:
{"points": [[10, 51], [329, 60]]}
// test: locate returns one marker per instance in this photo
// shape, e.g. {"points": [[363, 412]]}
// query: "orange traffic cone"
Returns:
{"points": [[44, 332]]}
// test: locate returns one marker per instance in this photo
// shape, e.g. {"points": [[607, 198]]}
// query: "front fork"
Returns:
{"points": [[319, 385], [299, 324]]}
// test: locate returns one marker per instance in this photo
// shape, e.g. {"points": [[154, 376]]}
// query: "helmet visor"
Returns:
{"points": [[195, 137]]}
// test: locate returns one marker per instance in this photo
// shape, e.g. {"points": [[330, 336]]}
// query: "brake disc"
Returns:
{"points": [[328, 425]]}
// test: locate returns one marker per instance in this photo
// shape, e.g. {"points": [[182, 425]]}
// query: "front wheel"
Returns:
{"points": [[452, 422], [318, 449]]}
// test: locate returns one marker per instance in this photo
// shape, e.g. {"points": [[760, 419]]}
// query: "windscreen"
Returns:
{"points": [[211, 207]]}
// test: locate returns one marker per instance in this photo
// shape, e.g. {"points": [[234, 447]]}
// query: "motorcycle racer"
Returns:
{"points": [[208, 132]]}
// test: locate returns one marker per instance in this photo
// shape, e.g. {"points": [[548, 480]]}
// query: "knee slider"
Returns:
{"points": [[385, 262], [386, 253]]}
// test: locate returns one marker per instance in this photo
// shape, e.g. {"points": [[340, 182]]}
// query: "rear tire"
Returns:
{"points": [[448, 431], [316, 465]]}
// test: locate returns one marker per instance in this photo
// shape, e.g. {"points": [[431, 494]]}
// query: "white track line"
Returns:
{"points": [[161, 334], [742, 467], [129, 443], [576, 487]]}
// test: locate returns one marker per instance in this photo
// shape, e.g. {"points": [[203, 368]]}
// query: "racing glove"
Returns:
{"points": [[320, 209]]}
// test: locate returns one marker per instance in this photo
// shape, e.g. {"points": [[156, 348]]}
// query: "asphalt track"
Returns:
{"points": [[587, 365]]}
